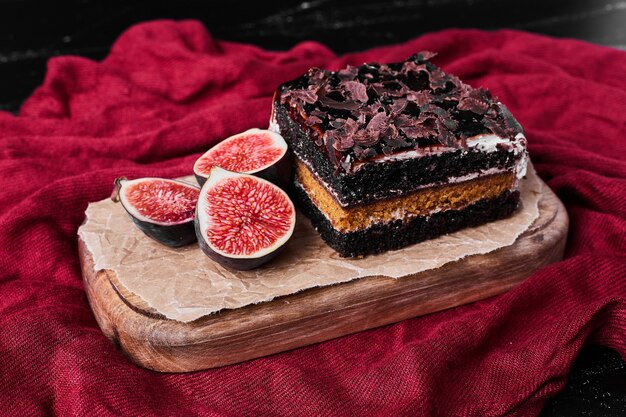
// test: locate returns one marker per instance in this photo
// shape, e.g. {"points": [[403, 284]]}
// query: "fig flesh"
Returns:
{"points": [[257, 152], [242, 221], [163, 209]]}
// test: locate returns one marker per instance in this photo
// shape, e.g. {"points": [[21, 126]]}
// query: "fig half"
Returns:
{"points": [[163, 209], [257, 152], [242, 221]]}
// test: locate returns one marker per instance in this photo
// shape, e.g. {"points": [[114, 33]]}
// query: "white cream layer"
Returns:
{"points": [[273, 126]]}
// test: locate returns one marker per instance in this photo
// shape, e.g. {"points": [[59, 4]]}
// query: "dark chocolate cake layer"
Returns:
{"points": [[383, 180], [398, 234]]}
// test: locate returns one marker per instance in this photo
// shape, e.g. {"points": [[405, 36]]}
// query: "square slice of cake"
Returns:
{"points": [[390, 155]]}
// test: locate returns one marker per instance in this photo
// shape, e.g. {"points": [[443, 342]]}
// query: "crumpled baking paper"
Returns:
{"points": [[184, 284]]}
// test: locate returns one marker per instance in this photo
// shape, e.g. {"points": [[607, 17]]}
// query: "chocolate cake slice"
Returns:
{"points": [[390, 155]]}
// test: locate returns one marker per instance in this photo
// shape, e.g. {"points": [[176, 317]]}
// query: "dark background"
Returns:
{"points": [[31, 31]]}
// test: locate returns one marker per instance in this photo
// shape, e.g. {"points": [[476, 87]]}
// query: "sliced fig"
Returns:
{"points": [[242, 221], [163, 209], [257, 152]]}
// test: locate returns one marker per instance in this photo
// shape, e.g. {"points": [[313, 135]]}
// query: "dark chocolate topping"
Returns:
{"points": [[362, 112]]}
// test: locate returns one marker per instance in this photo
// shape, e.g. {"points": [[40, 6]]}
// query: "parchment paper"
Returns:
{"points": [[184, 284]]}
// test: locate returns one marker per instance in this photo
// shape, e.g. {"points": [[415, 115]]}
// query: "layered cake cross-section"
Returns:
{"points": [[390, 155]]}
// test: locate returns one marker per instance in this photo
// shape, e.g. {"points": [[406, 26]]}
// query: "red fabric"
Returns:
{"points": [[165, 94]]}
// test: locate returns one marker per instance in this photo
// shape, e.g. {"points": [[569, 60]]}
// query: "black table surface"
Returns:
{"points": [[31, 31]]}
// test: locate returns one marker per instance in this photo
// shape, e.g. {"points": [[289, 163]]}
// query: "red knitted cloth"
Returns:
{"points": [[166, 93]]}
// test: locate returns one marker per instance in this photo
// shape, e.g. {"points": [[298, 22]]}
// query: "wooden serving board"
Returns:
{"points": [[318, 314]]}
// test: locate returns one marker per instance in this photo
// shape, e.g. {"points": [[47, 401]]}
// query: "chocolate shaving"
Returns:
{"points": [[317, 75], [473, 105], [495, 127], [357, 91], [329, 140], [377, 122], [397, 106], [445, 136], [424, 56], [344, 133], [475, 100], [393, 138], [311, 120], [418, 132], [364, 153], [449, 123], [364, 138], [510, 122], [438, 79], [341, 105], [394, 88], [372, 109], [348, 74], [419, 97], [306, 96]]}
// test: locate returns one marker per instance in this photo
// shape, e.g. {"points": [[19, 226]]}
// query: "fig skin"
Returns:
{"points": [[237, 263], [174, 235], [279, 173]]}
